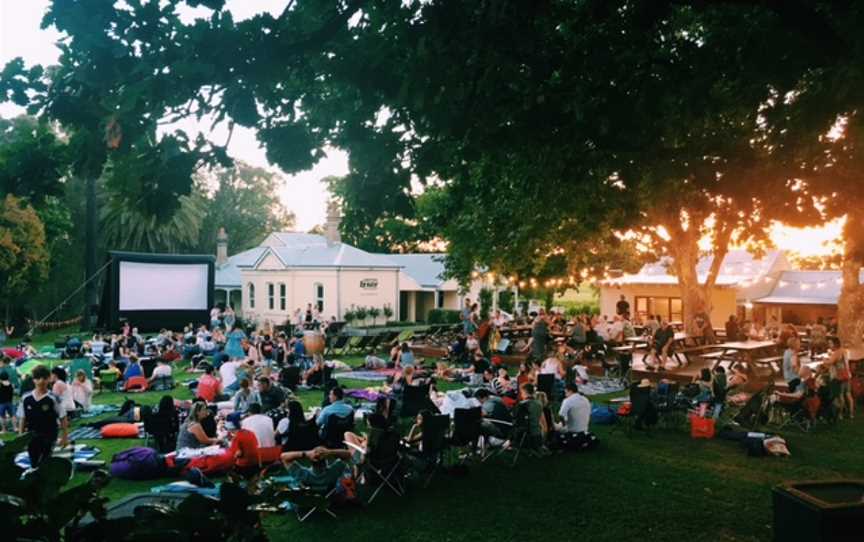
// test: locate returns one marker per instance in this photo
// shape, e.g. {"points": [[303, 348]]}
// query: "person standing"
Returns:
{"points": [[622, 307], [42, 415]]}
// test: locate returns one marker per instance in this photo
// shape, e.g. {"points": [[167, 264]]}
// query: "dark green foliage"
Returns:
{"points": [[506, 301], [486, 296], [443, 316]]}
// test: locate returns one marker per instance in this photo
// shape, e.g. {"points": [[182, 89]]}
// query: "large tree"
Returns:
{"points": [[245, 201], [23, 255]]}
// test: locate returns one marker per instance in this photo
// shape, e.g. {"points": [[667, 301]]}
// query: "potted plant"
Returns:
{"points": [[374, 313], [388, 313], [361, 314]]}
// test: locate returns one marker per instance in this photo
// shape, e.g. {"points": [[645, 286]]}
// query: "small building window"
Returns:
{"points": [[282, 299], [251, 296], [271, 296], [319, 297], [439, 299]]}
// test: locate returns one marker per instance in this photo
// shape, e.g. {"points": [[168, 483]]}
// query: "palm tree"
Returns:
{"points": [[126, 226]]}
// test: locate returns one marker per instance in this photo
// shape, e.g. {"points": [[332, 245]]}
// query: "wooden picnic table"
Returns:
{"points": [[745, 352]]}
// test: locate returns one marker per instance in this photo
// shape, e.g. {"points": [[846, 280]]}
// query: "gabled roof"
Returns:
{"points": [[228, 274], [739, 266], [427, 270], [299, 250], [806, 288]]}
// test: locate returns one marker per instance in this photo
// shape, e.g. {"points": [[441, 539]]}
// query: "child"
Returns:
{"points": [[6, 393], [40, 413]]}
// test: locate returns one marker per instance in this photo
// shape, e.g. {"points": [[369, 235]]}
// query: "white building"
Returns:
{"points": [[653, 290], [291, 270]]}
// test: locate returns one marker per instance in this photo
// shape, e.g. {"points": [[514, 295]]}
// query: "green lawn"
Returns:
{"points": [[661, 486]]}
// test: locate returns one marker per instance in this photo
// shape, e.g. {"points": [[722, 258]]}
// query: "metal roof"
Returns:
{"points": [[806, 288], [738, 266], [427, 270]]}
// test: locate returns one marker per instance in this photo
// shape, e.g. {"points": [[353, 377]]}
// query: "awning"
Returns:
{"points": [[779, 300]]}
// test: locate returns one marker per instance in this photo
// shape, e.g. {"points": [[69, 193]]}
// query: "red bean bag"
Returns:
{"points": [[250, 454], [13, 353], [119, 430], [136, 384]]}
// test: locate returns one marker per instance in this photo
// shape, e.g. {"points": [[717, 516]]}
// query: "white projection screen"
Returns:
{"points": [[145, 286]]}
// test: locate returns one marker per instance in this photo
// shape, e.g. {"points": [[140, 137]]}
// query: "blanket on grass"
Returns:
{"points": [[186, 487], [377, 375], [98, 410], [81, 454], [601, 385]]}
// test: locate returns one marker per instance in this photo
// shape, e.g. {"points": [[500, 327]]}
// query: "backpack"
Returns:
{"points": [[138, 463], [603, 415]]}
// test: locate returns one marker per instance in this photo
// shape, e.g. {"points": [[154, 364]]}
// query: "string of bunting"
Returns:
{"points": [[53, 325]]}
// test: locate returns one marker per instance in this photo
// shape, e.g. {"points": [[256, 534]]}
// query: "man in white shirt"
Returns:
{"points": [[575, 410], [602, 328], [162, 370], [261, 425], [616, 330], [228, 375]]}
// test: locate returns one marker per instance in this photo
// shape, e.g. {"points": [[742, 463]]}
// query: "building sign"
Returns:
{"points": [[369, 284]]}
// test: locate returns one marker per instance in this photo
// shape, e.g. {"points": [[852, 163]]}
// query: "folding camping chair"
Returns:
{"points": [[333, 432], [466, 430], [307, 501], [108, 379], [360, 345], [373, 345], [414, 399], [433, 444], [148, 365], [381, 462], [337, 346], [163, 430], [643, 412]]}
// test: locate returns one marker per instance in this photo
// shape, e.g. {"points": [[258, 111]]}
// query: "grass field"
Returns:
{"points": [[658, 486]]}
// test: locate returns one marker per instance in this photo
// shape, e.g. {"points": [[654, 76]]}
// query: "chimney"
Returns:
{"points": [[221, 247], [331, 229]]}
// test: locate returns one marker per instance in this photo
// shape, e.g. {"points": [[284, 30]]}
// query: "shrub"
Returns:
{"points": [[443, 316], [388, 312], [506, 301], [361, 313]]}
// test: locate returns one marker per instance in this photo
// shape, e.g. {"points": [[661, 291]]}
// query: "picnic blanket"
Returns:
{"points": [[98, 410], [186, 488], [379, 375], [94, 433], [601, 385], [80, 454], [364, 395]]}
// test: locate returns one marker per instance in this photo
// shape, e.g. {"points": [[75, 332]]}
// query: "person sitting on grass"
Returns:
{"points": [[575, 414], [326, 468], [209, 387], [290, 423], [261, 425], [492, 409], [405, 356], [315, 375], [502, 383], [337, 407], [133, 369], [161, 371], [41, 414], [82, 390], [271, 395], [244, 397], [415, 434], [192, 434]]}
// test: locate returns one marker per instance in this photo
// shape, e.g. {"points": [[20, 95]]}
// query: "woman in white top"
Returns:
{"points": [[82, 390], [61, 389], [553, 366]]}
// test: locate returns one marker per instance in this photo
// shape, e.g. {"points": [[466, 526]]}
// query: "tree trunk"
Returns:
{"points": [[90, 293], [695, 297], [850, 307]]}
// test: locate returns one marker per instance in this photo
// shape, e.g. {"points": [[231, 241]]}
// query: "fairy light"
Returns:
{"points": [[783, 284], [805, 286], [838, 281]]}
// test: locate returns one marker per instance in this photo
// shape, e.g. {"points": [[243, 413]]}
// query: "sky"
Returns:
{"points": [[303, 193]]}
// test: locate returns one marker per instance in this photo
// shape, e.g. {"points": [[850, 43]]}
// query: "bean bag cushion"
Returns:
{"points": [[136, 383], [137, 463], [251, 455], [119, 430]]}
